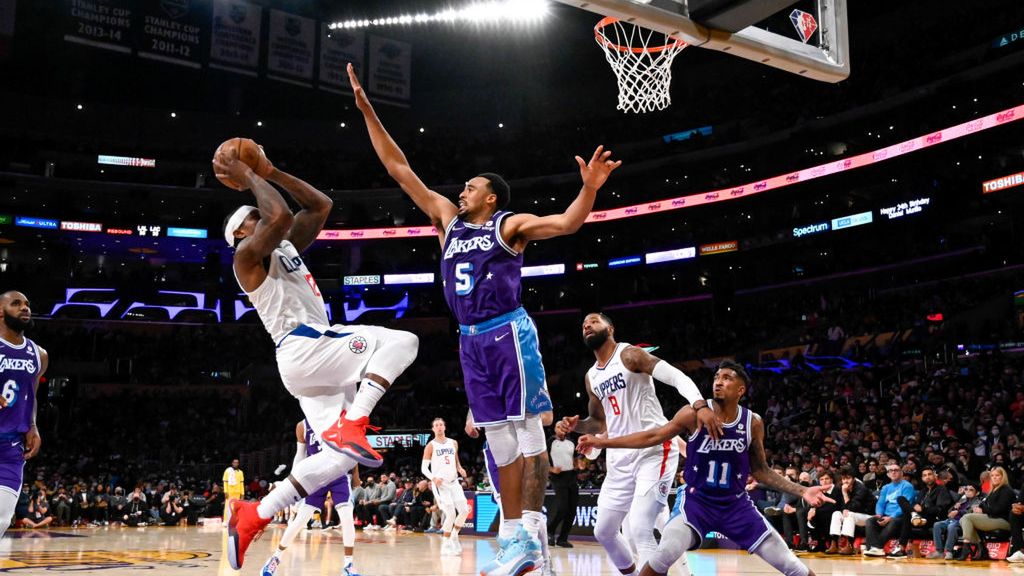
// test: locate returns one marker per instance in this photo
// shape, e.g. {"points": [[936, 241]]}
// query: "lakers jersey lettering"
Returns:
{"points": [[709, 445], [17, 364], [457, 246], [19, 369], [479, 271], [717, 470]]}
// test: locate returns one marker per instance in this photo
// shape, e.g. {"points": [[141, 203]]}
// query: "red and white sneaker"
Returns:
{"points": [[349, 438], [244, 527]]}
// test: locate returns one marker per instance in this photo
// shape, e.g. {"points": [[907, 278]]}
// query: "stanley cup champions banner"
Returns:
{"points": [[172, 30], [337, 49], [103, 24], [235, 37], [291, 47]]}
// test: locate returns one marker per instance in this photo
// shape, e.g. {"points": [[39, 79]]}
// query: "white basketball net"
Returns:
{"points": [[643, 68]]}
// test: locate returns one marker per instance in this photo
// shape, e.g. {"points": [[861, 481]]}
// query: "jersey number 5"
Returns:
{"points": [[10, 392], [464, 278]]}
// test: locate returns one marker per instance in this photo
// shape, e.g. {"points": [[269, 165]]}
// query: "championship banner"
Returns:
{"points": [[337, 49], [7, 12], [103, 24], [171, 31], [390, 69], [235, 38], [291, 48]]}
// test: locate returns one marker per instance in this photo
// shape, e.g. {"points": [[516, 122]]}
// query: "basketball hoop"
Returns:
{"points": [[643, 70]]}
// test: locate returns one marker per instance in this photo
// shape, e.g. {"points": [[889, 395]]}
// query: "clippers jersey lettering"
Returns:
{"points": [[481, 273], [717, 470], [629, 401], [19, 369], [289, 295], [442, 462]]}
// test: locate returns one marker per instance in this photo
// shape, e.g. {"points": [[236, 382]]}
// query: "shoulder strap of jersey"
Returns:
{"points": [[499, 217]]}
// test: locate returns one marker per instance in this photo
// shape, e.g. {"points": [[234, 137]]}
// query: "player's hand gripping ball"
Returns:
{"points": [[250, 153]]}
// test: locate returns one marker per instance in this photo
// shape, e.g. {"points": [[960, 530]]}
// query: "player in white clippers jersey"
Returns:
{"points": [[319, 364], [442, 467], [623, 401]]}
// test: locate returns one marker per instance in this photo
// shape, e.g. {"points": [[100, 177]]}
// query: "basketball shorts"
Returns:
{"points": [[12, 462], [503, 370], [340, 491], [450, 495], [321, 366], [738, 519], [634, 473]]}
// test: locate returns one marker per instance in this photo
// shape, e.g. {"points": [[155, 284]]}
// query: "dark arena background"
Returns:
{"points": [[857, 246]]}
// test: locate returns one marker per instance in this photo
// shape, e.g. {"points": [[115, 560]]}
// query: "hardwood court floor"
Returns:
{"points": [[198, 550]]}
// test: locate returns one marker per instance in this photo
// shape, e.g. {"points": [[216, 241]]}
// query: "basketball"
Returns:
{"points": [[248, 151]]}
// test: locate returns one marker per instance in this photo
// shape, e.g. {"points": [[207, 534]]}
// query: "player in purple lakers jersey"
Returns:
{"points": [[716, 474], [22, 362], [482, 256]]}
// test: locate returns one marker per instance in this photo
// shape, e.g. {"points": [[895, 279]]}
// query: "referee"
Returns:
{"points": [[567, 491]]}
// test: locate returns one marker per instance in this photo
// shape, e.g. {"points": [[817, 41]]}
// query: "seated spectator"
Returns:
{"points": [[382, 503], [819, 530], [888, 519], [367, 506], [61, 504], [410, 511], [406, 498], [858, 505], [136, 512], [992, 514], [38, 512], [171, 508], [118, 505], [22, 506], [100, 505], [945, 533], [932, 504]]}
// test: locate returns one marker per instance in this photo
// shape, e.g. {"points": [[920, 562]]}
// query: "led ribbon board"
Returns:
{"points": [[740, 191]]}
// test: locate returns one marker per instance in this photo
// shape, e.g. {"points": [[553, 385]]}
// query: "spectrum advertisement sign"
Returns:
{"points": [[802, 231]]}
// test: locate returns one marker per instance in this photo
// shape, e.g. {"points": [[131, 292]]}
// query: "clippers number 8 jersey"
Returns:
{"points": [[629, 401]]}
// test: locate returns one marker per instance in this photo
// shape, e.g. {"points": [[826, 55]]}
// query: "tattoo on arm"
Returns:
{"points": [[759, 467], [595, 423]]}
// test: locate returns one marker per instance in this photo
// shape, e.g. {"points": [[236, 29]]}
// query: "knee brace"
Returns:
{"points": [[504, 443], [774, 551], [348, 525], [676, 539], [608, 533], [530, 435]]}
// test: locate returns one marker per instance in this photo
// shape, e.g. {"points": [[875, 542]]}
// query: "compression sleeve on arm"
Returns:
{"points": [[425, 469], [674, 377]]}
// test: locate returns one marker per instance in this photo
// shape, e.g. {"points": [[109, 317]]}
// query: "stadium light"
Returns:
{"points": [[491, 12]]}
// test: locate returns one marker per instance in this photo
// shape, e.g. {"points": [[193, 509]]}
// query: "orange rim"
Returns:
{"points": [[604, 41]]}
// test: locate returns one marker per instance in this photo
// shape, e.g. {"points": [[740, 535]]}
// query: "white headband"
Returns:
{"points": [[235, 222]]}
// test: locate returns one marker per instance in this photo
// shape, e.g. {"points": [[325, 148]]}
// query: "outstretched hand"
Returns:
{"points": [[362, 102], [815, 496], [595, 173], [588, 442], [567, 424]]}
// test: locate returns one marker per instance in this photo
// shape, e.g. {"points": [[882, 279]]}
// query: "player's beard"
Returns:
{"points": [[596, 339], [17, 324]]}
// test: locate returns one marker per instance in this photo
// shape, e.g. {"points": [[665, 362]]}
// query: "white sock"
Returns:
{"points": [[366, 398], [294, 527], [280, 498], [348, 560], [534, 523], [508, 528]]}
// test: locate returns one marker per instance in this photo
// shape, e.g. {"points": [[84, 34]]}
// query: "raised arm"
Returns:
{"points": [[684, 420], [594, 423], [315, 207], [638, 360], [440, 209], [273, 226], [519, 229], [769, 479]]}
